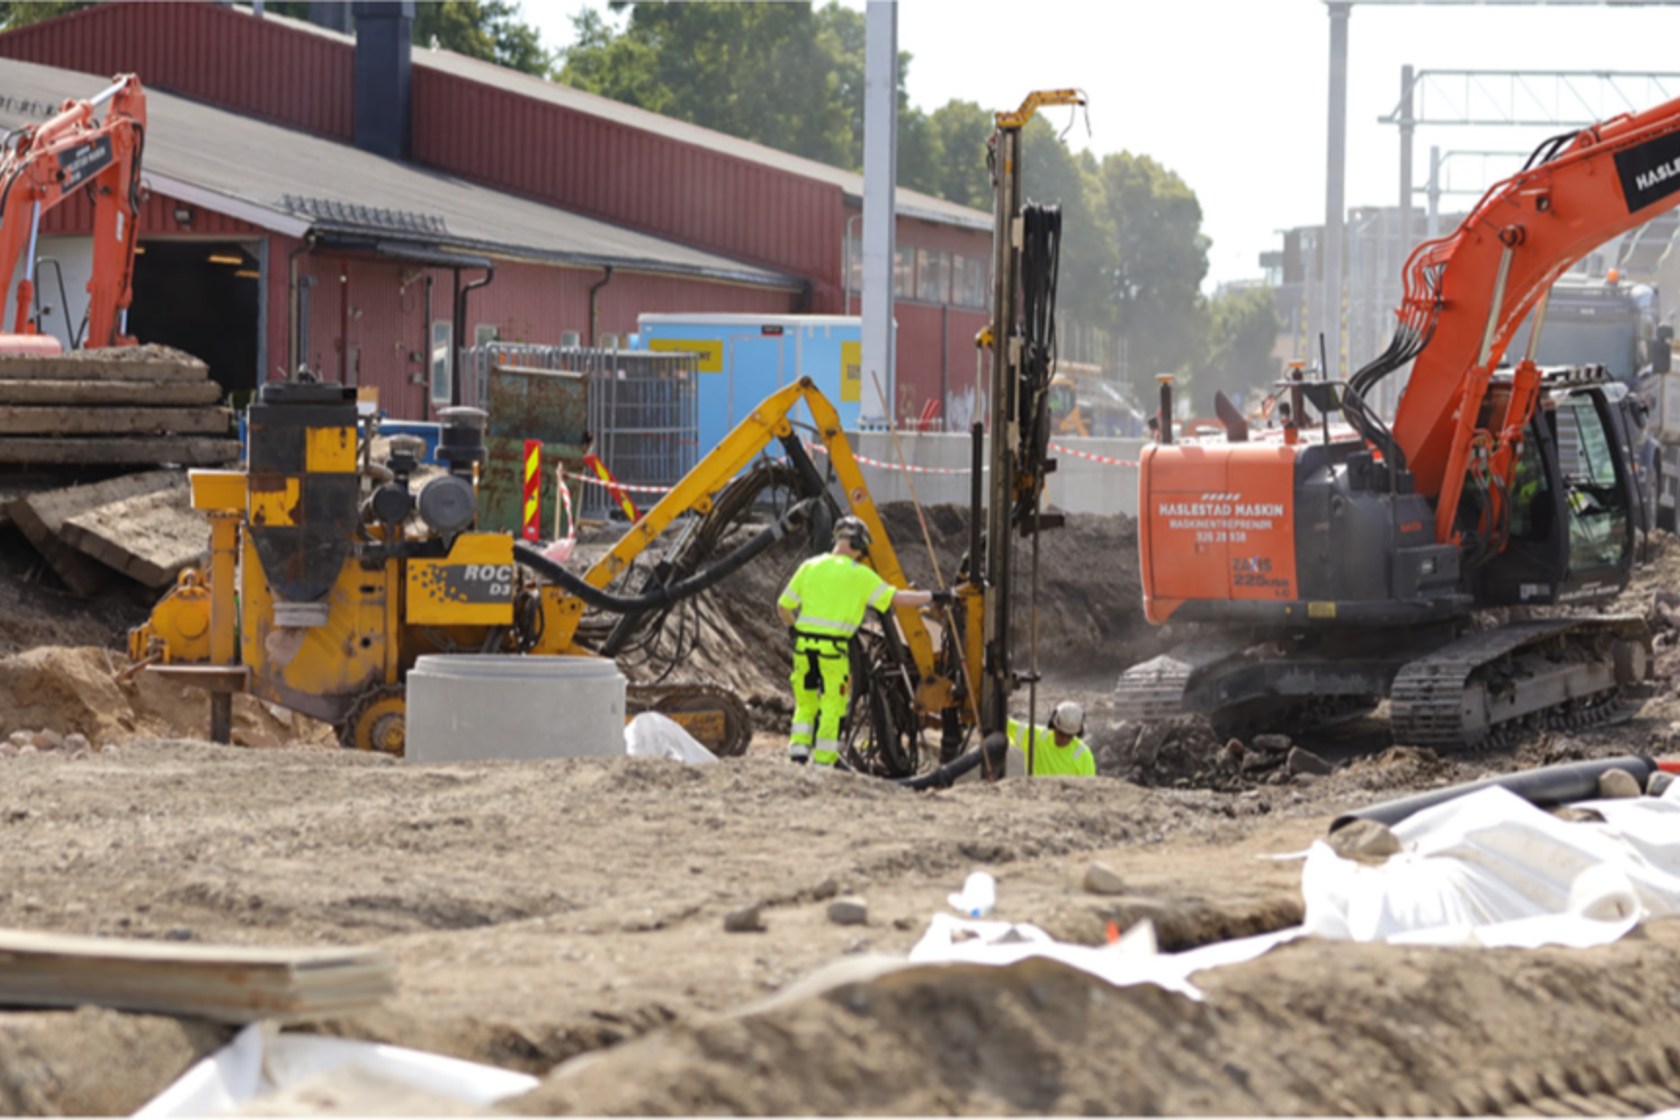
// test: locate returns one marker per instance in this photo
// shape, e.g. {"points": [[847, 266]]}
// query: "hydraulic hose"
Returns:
{"points": [[664, 596], [1545, 787], [996, 747]]}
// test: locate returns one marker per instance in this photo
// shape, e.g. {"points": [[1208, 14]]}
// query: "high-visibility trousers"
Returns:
{"points": [[821, 681]]}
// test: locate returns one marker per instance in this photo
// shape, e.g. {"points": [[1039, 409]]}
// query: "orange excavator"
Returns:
{"points": [[1337, 562], [41, 166]]}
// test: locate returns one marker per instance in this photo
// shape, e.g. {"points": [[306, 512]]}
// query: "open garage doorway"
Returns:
{"points": [[203, 297]]}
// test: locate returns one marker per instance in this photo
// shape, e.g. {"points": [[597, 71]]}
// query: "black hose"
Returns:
{"points": [[664, 596], [996, 747], [1545, 787]]}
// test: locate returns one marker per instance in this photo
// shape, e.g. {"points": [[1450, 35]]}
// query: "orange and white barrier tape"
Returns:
{"points": [[1093, 458], [617, 485]]}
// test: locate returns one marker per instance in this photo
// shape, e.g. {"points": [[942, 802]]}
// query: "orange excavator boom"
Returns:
{"points": [[40, 167]]}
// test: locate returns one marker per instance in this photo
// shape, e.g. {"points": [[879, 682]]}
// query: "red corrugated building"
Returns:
{"points": [[765, 221]]}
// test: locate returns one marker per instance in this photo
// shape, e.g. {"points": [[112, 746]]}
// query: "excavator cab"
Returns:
{"points": [[1574, 500]]}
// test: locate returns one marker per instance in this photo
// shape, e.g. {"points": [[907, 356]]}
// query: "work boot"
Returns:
{"points": [[799, 753]]}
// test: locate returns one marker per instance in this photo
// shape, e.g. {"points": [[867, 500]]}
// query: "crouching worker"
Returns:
{"points": [[824, 603], [1057, 749]]}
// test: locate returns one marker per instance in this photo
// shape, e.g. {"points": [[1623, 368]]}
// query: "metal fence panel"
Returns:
{"points": [[643, 409]]}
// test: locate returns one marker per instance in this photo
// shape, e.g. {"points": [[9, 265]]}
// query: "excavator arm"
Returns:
{"points": [[768, 422], [1468, 293], [44, 164]]}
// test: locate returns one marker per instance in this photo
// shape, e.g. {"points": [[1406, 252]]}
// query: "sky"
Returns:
{"points": [[1233, 95]]}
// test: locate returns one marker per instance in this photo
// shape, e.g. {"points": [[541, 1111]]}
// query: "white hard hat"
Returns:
{"points": [[1068, 718]]}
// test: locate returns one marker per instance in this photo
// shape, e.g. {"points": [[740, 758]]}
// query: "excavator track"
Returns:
{"points": [[1159, 688], [1566, 672], [712, 713]]}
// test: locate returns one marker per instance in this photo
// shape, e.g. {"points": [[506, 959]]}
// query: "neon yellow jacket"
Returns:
{"points": [[830, 594], [1075, 758]]}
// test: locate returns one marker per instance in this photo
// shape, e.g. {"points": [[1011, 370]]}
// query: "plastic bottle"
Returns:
{"points": [[978, 896]]}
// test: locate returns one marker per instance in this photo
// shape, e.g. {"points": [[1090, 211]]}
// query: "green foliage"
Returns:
{"points": [[1245, 327], [960, 131], [1155, 287], [773, 73], [21, 14], [487, 29]]}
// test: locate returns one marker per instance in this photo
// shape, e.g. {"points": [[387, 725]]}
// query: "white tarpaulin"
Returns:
{"points": [[1487, 868], [652, 735], [260, 1061]]}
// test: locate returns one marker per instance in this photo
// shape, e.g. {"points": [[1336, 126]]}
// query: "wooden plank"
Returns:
{"points": [[42, 516], [119, 363], [119, 451], [234, 984], [148, 538], [67, 420], [152, 393]]}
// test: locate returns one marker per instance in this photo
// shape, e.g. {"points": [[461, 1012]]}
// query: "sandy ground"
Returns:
{"points": [[540, 912]]}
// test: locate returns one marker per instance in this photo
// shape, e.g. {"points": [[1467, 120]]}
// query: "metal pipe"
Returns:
{"points": [[1406, 130], [1545, 787], [461, 323], [1336, 172], [848, 255], [1166, 433], [594, 310], [1539, 325], [1494, 306], [106, 94]]}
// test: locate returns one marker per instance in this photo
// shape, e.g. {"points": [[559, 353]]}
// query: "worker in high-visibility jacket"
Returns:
{"points": [[1057, 749], [824, 603]]}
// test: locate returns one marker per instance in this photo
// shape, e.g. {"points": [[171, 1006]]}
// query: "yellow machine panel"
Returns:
{"points": [[275, 506], [330, 451], [472, 586]]}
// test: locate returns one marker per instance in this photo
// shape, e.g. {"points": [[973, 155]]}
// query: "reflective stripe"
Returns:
{"points": [[802, 729], [799, 751], [790, 600], [827, 752], [882, 600], [828, 745], [824, 626]]}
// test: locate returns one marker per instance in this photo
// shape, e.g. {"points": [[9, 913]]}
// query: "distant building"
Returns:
{"points": [[318, 199]]}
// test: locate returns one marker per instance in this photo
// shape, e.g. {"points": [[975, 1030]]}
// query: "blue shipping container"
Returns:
{"points": [[746, 358]]}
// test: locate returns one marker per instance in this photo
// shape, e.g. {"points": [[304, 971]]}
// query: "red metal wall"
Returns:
{"points": [[636, 178], [387, 318], [208, 52], [157, 218]]}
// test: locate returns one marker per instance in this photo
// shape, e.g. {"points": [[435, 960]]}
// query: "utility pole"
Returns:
{"points": [[880, 174], [1335, 206]]}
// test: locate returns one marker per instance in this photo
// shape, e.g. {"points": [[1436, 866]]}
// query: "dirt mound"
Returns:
{"points": [[76, 690], [1309, 1029], [93, 1062]]}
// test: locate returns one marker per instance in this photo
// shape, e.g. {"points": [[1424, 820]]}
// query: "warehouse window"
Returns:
{"points": [[968, 281], [571, 339], [904, 273], [933, 283], [484, 334]]}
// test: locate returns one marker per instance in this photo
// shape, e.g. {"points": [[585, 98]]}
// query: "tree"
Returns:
{"points": [[958, 134], [1245, 327], [21, 14], [1161, 258], [485, 29], [1052, 174], [764, 72]]}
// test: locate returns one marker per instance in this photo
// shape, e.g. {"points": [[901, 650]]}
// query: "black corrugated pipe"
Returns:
{"points": [[459, 340], [661, 597], [1543, 788], [996, 746], [595, 312]]}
